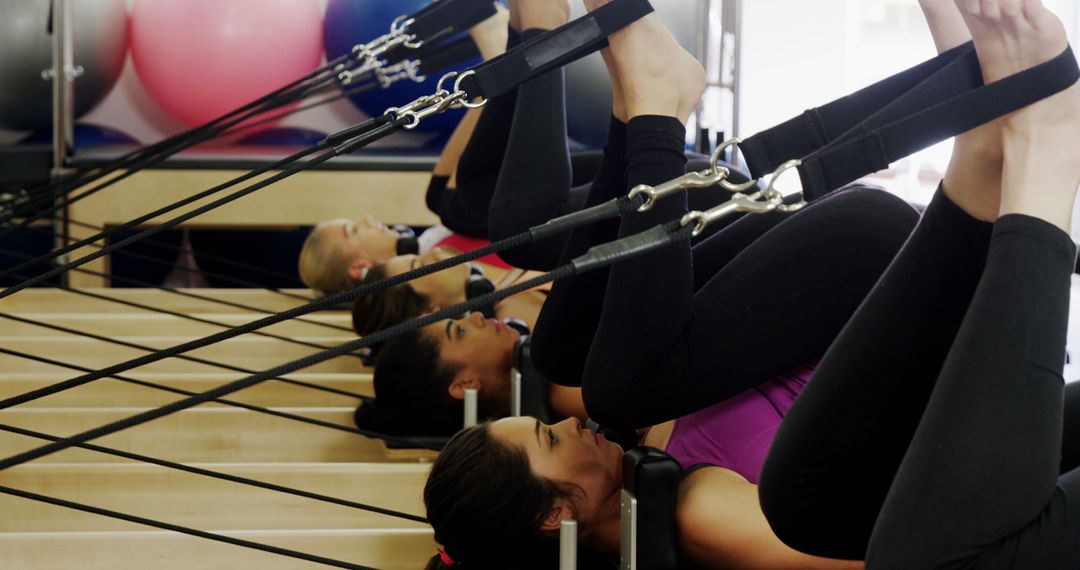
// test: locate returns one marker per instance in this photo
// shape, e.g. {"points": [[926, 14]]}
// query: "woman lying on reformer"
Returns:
{"points": [[338, 253], [515, 172], [517, 160], [980, 482]]}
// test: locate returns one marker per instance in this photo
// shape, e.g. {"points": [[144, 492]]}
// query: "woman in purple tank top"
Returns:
{"points": [[708, 346]]}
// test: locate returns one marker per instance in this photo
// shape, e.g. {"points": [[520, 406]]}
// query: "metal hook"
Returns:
{"points": [[714, 161], [702, 179], [738, 203], [463, 101], [770, 191]]}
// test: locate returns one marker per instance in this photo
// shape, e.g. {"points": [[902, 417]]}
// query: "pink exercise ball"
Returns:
{"points": [[200, 59]]}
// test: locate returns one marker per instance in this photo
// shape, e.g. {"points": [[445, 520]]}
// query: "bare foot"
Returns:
{"points": [[658, 77], [946, 24], [1042, 165], [973, 177], [490, 35], [538, 14], [618, 101]]}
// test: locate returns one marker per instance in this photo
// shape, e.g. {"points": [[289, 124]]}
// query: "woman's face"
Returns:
{"points": [[478, 346], [363, 239], [443, 288], [566, 452]]}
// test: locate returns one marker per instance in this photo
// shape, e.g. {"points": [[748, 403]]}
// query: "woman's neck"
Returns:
{"points": [[604, 534]]}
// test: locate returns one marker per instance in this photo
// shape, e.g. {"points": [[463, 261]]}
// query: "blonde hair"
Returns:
{"points": [[323, 267]]}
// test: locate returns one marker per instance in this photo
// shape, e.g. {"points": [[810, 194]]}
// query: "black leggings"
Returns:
{"points": [[518, 171], [680, 329], [931, 433]]}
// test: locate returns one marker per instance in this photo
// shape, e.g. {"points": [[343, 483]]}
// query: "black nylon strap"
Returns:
{"points": [[816, 127], [553, 49], [872, 148], [445, 18], [220, 475], [450, 54], [181, 529]]}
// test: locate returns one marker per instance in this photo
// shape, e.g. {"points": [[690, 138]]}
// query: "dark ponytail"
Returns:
{"points": [[487, 506], [412, 390], [375, 312]]}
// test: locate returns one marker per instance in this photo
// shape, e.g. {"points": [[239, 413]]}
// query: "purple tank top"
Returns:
{"points": [[737, 433]]}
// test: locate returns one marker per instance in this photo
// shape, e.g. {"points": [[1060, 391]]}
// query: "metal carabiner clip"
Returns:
{"points": [[714, 161]]}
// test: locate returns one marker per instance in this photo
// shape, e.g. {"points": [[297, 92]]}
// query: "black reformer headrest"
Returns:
{"points": [[652, 478], [535, 400], [407, 242], [478, 284]]}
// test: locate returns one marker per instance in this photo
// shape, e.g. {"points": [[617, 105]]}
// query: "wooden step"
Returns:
{"points": [[60, 301], [206, 433], [387, 549], [198, 501], [109, 392], [249, 352], [146, 324]]}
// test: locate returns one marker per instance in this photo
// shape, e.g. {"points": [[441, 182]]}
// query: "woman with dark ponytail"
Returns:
{"points": [[496, 525]]}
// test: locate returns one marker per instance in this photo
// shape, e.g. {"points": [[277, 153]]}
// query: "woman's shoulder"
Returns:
{"points": [[721, 524]]}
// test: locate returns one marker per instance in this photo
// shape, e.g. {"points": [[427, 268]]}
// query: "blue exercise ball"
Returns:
{"points": [[101, 44], [284, 136], [351, 22], [86, 135]]}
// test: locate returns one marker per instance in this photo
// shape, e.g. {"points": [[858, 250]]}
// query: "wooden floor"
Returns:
{"points": [[213, 436]]}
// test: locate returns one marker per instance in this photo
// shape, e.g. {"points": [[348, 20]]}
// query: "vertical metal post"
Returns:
{"points": [[733, 13], [628, 525], [515, 392], [568, 545], [64, 73], [703, 37], [471, 412], [63, 58]]}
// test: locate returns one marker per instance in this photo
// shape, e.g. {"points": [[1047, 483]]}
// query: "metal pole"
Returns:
{"points": [[515, 392], [733, 12], [64, 73], [63, 76], [568, 545], [470, 407], [628, 528]]}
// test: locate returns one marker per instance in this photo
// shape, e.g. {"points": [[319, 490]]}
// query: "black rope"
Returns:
{"points": [[147, 217], [127, 344], [183, 250], [156, 153], [380, 127], [237, 385], [184, 294], [220, 475], [181, 529], [324, 303], [230, 403], [597, 256], [190, 295]]}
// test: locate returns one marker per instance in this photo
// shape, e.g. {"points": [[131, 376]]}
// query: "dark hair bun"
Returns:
{"points": [[373, 417]]}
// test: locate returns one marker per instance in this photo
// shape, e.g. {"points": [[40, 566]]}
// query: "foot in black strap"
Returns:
{"points": [[658, 76], [975, 165], [1042, 167]]}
